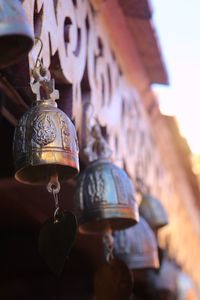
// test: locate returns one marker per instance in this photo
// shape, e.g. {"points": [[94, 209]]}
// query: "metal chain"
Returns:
{"points": [[108, 241], [53, 187]]}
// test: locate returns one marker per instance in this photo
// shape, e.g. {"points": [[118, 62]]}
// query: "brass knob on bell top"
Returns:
{"points": [[16, 36], [45, 140]]}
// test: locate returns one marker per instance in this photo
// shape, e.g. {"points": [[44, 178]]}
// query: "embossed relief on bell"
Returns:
{"points": [[44, 142], [44, 130], [67, 128], [64, 130], [96, 187], [101, 203]]}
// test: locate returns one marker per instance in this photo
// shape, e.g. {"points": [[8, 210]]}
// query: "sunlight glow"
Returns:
{"points": [[180, 44]]}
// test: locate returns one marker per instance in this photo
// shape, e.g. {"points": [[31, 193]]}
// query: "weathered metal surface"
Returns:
{"points": [[105, 198], [137, 246], [45, 140]]}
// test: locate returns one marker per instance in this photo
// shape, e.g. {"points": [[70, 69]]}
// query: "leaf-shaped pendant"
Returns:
{"points": [[56, 240]]}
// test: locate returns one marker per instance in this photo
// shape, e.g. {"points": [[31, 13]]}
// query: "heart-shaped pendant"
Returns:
{"points": [[56, 239]]}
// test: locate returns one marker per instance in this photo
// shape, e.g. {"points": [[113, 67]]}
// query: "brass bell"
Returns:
{"points": [[45, 141], [166, 279], [153, 211], [105, 198], [16, 36], [104, 194], [137, 246], [185, 288]]}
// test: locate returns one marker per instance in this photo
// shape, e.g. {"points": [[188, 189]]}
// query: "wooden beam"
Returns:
{"points": [[122, 42]]}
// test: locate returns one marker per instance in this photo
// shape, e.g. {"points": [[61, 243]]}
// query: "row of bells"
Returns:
{"points": [[45, 142], [45, 137]]}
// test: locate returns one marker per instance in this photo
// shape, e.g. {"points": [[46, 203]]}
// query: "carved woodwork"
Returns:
{"points": [[77, 48]]}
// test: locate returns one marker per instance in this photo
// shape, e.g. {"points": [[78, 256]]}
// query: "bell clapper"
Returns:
{"points": [[53, 187], [108, 241]]}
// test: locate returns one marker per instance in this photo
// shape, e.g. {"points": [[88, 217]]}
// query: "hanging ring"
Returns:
{"points": [[53, 187]]}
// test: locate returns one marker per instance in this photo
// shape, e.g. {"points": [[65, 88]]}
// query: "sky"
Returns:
{"points": [[177, 24]]}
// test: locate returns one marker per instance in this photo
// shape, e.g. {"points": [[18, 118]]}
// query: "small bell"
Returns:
{"points": [[104, 194], [185, 287], [45, 141], [166, 279], [16, 36], [153, 211], [137, 246]]}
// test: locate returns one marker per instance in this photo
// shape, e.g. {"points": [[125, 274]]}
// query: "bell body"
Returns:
{"points": [[137, 246], [105, 198], [185, 288], [16, 36], [153, 211], [45, 143], [167, 277]]}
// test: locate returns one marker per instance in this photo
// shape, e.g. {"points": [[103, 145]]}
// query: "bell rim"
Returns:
{"points": [[92, 219], [74, 169]]}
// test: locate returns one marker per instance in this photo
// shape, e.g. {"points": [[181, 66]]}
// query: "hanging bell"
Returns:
{"points": [[104, 194], [45, 141], [137, 246], [166, 279], [16, 36], [185, 287], [153, 211], [105, 197]]}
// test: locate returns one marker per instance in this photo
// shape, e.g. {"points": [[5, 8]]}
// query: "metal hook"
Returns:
{"points": [[39, 53]]}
